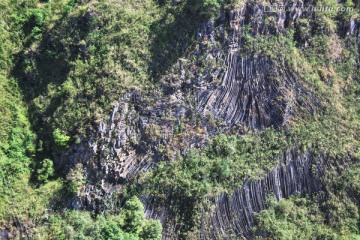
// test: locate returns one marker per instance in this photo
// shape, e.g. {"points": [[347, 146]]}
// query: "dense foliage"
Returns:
{"points": [[129, 224], [33, 84]]}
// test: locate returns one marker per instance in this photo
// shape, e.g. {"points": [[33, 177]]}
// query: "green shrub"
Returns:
{"points": [[130, 224], [133, 215], [152, 230], [60, 139], [294, 218], [46, 170], [38, 17], [223, 145], [206, 8], [76, 179]]}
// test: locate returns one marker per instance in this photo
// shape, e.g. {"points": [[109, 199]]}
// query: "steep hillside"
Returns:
{"points": [[219, 119]]}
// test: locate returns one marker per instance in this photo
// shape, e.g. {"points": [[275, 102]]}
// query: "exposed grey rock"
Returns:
{"points": [[219, 82], [254, 92], [5, 234], [234, 214], [246, 91]]}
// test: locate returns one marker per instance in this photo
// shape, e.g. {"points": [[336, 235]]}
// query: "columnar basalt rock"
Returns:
{"points": [[234, 214], [243, 91], [254, 92]]}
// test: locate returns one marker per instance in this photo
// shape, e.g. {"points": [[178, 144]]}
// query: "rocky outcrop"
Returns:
{"points": [[254, 92], [135, 136], [234, 214], [222, 87], [238, 91]]}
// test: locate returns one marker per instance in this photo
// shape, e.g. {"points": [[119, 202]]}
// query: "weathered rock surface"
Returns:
{"points": [[239, 90], [234, 214], [254, 92], [231, 216]]}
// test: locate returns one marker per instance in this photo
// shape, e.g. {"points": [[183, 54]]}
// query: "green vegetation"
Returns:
{"points": [[228, 161], [46, 170], [206, 8], [316, 217], [49, 84], [129, 224], [301, 218], [16, 138], [75, 179], [60, 139]]}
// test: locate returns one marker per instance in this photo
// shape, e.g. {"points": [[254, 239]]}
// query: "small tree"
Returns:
{"points": [[46, 170], [60, 139], [75, 178], [211, 7], [134, 215], [152, 230], [206, 8]]}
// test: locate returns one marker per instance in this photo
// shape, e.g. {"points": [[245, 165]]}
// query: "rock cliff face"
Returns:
{"points": [[222, 87], [254, 90], [234, 214], [231, 216]]}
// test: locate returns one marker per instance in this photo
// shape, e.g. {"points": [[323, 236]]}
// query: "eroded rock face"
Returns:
{"points": [[234, 214], [135, 136], [238, 91], [4, 234], [254, 92]]}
